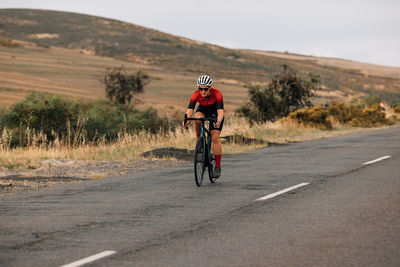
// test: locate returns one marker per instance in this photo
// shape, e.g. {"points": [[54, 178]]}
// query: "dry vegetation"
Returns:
{"points": [[130, 147]]}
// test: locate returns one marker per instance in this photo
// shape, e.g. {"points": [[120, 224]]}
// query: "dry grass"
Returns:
{"points": [[130, 147]]}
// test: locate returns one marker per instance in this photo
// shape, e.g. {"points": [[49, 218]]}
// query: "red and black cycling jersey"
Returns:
{"points": [[213, 102]]}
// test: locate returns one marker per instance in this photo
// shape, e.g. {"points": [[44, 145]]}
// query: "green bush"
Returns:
{"points": [[121, 86], [73, 121], [40, 112], [316, 117], [286, 93], [108, 119]]}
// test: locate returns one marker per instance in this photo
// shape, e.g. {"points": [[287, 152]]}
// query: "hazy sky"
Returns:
{"points": [[361, 30]]}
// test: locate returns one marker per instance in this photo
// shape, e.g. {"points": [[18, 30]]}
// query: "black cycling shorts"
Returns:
{"points": [[208, 113]]}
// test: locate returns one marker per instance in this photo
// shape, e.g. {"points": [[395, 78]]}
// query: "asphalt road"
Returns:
{"points": [[345, 213]]}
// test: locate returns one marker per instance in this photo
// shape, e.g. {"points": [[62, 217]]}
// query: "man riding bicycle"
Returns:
{"points": [[210, 102]]}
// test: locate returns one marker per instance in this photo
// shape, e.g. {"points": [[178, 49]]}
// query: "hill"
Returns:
{"points": [[67, 52]]}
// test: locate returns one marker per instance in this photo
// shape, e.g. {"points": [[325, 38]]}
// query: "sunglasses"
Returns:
{"points": [[203, 89]]}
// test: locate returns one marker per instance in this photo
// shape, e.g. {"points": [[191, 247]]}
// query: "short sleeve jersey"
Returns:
{"points": [[211, 103]]}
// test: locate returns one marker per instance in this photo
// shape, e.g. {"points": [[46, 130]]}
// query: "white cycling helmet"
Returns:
{"points": [[204, 80]]}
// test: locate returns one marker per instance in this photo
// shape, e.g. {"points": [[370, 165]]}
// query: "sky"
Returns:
{"points": [[359, 30]]}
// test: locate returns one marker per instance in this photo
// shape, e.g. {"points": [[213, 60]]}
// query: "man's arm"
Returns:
{"points": [[189, 114], [220, 115], [220, 107]]}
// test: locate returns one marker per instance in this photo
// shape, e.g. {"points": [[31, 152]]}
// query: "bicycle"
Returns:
{"points": [[207, 159]]}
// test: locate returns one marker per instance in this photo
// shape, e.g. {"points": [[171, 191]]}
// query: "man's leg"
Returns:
{"points": [[217, 147], [197, 124]]}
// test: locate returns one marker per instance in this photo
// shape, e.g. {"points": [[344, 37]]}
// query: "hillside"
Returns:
{"points": [[91, 39]]}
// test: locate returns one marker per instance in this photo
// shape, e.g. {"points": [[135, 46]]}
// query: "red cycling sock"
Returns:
{"points": [[218, 161], [198, 135]]}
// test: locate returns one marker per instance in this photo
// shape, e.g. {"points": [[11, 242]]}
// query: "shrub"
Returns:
{"points": [[264, 105], [371, 116], [315, 117], [347, 114], [40, 111], [394, 102], [109, 120], [366, 101], [341, 112], [121, 86], [371, 100], [285, 94], [49, 116]]}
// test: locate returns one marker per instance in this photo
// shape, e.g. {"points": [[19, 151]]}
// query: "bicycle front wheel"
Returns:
{"points": [[211, 167], [199, 162]]}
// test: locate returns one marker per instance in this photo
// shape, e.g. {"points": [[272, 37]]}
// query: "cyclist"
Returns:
{"points": [[210, 102]]}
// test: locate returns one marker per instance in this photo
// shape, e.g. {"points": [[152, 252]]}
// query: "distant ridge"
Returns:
{"points": [[126, 41]]}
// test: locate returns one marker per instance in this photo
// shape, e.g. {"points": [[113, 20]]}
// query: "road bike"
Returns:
{"points": [[203, 158]]}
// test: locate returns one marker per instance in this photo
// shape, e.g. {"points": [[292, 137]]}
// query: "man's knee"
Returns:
{"points": [[198, 115], [215, 139]]}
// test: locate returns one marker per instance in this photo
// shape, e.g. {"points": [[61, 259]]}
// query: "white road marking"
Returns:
{"points": [[376, 160], [90, 259], [280, 192]]}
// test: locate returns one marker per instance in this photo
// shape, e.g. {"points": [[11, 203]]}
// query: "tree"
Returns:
{"points": [[121, 86], [286, 93]]}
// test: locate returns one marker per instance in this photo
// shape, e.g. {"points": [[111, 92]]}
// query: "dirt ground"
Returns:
{"points": [[15, 181]]}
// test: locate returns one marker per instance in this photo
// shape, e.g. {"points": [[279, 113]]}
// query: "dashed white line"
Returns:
{"points": [[90, 258], [281, 192], [376, 160]]}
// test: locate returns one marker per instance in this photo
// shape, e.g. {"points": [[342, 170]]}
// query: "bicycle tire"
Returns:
{"points": [[211, 167], [199, 162]]}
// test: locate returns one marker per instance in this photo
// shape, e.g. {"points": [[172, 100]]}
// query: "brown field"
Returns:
{"points": [[72, 73]]}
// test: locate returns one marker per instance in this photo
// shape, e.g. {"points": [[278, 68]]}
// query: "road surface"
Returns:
{"points": [[327, 202]]}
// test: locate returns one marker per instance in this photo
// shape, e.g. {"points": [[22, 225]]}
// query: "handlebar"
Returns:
{"points": [[212, 119]]}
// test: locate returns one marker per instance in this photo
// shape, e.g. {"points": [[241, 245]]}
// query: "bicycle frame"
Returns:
{"points": [[203, 130]]}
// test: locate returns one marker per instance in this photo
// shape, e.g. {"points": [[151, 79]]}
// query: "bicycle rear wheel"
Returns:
{"points": [[199, 162]]}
